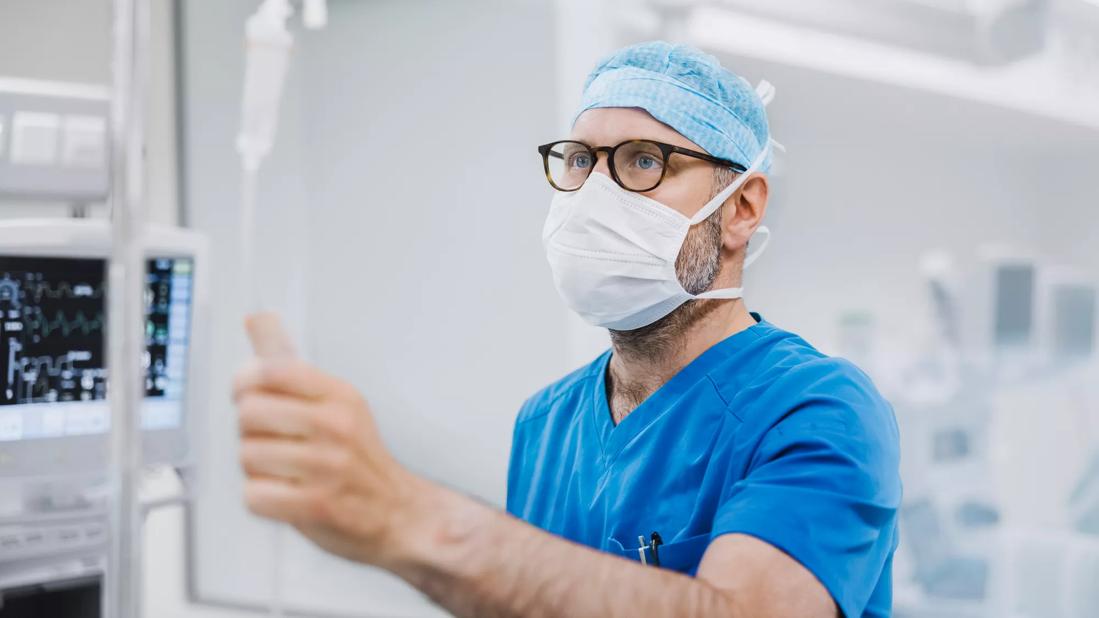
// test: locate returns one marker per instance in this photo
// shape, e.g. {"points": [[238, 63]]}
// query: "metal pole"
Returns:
{"points": [[126, 312]]}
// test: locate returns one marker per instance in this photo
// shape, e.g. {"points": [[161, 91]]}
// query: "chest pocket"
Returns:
{"points": [[681, 556]]}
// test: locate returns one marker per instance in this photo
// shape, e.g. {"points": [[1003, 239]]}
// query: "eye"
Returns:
{"points": [[580, 160], [646, 162]]}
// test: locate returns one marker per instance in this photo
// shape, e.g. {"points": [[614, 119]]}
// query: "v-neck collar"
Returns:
{"points": [[613, 438]]}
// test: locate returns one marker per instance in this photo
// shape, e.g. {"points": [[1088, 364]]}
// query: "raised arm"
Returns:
{"points": [[313, 458]]}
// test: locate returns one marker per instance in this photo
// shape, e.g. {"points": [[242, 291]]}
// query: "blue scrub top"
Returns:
{"points": [[760, 435]]}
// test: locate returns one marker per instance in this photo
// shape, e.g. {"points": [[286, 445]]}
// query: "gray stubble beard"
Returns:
{"points": [[697, 267]]}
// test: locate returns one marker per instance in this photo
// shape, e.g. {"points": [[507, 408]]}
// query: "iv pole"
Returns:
{"points": [[122, 589]]}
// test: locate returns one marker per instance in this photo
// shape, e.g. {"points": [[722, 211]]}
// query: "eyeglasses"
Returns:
{"points": [[636, 165]]}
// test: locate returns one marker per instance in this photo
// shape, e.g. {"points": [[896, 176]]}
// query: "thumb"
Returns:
{"points": [[269, 339]]}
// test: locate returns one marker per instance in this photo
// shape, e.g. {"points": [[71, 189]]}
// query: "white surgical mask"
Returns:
{"points": [[613, 251]]}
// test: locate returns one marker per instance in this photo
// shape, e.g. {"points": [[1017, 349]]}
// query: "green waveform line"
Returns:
{"points": [[63, 290], [66, 326]]}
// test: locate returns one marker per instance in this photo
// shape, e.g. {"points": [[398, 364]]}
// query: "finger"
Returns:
{"points": [[281, 459], [269, 338], [289, 376], [265, 414], [276, 499]]}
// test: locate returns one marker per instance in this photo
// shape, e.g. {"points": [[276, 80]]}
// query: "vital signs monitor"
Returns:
{"points": [[54, 413]]}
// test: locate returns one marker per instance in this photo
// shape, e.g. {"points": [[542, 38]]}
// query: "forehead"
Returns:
{"points": [[607, 126]]}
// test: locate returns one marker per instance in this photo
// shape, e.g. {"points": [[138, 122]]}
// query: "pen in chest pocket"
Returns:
{"points": [[652, 545]]}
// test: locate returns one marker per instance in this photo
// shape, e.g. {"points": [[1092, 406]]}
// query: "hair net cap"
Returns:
{"points": [[687, 90]]}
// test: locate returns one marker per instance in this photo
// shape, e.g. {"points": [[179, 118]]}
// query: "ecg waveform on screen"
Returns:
{"points": [[64, 289], [52, 322], [77, 323]]}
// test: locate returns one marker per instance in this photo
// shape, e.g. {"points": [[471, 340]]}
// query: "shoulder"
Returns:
{"points": [[831, 396], [562, 391], [794, 388]]}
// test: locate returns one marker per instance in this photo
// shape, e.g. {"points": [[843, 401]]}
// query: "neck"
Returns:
{"points": [[645, 358]]}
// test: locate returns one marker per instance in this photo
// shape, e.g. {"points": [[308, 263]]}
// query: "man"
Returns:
{"points": [[709, 464]]}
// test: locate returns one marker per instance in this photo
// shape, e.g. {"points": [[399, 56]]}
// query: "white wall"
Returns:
{"points": [[425, 214], [401, 221]]}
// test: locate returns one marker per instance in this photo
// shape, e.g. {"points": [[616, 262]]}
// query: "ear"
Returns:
{"points": [[743, 212]]}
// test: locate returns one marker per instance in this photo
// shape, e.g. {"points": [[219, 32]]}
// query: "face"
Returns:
{"points": [[688, 184]]}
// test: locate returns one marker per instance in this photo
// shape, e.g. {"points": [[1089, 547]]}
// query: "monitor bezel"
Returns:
{"points": [[88, 454]]}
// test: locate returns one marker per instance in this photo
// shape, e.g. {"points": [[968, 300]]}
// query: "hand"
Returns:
{"points": [[312, 454]]}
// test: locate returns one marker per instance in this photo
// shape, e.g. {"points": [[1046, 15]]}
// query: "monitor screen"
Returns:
{"points": [[53, 349], [1014, 304], [1074, 320]]}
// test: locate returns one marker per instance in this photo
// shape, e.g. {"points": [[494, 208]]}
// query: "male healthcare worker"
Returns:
{"points": [[708, 464]]}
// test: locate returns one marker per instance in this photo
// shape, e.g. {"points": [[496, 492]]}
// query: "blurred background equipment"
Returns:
{"points": [[53, 140], [1069, 316]]}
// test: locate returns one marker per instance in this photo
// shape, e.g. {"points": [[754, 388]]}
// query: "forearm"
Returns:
{"points": [[476, 561], [314, 459]]}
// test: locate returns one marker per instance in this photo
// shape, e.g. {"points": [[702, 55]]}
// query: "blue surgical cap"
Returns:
{"points": [[687, 90]]}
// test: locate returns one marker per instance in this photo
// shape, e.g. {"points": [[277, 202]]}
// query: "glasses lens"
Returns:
{"points": [[570, 163], [640, 165]]}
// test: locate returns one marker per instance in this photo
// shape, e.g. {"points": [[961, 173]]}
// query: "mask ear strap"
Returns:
{"points": [[723, 293], [766, 92], [731, 293], [758, 251], [720, 198]]}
